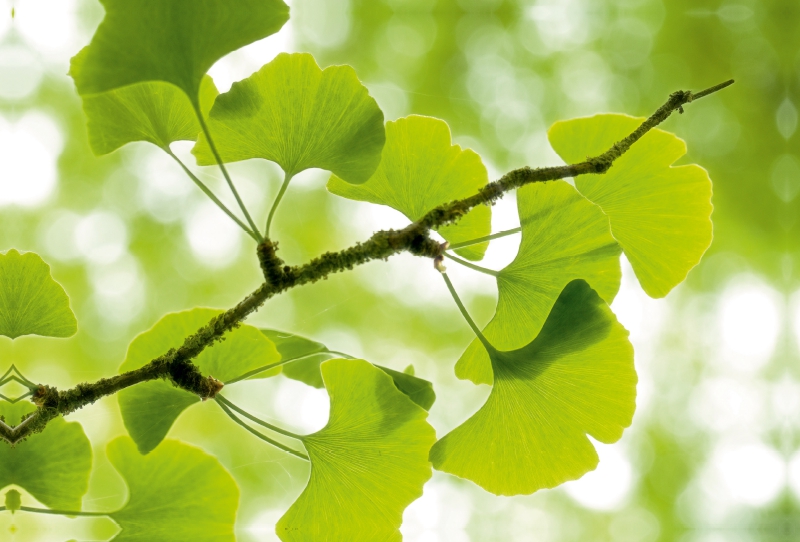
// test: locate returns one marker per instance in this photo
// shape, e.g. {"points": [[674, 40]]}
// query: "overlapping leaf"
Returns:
{"points": [[564, 237], [149, 409], [175, 494], [154, 111], [175, 41], [31, 302], [660, 214], [310, 354], [53, 465], [420, 170], [367, 464], [295, 114], [575, 379]]}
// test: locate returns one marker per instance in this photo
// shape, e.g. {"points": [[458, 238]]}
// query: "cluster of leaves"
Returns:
{"points": [[559, 363]]}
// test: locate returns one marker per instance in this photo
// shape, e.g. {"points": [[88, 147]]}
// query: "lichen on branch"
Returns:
{"points": [[176, 364]]}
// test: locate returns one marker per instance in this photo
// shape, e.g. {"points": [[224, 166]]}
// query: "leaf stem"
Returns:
{"points": [[472, 266], [259, 421], [287, 177], [466, 315], [263, 437], [225, 174], [63, 512], [265, 368], [17, 399], [480, 240], [207, 191]]}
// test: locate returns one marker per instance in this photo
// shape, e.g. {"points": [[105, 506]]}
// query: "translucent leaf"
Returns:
{"points": [[418, 390], [368, 463], [295, 114], [175, 41], [53, 465], [575, 379], [313, 353], [422, 169], [660, 214], [175, 494], [157, 112], [564, 237], [149, 409], [292, 346], [31, 302]]}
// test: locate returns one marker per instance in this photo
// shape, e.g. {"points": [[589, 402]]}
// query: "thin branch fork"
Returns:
{"points": [[176, 365]]}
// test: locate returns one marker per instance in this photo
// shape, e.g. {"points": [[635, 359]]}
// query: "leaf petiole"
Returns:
{"points": [[472, 266], [207, 191], [62, 512], [263, 437], [259, 421], [265, 368], [287, 177], [225, 173], [466, 315], [480, 240]]}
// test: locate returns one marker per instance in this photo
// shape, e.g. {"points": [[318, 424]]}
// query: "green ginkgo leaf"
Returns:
{"points": [[564, 237], [175, 41], [31, 302], [368, 463], [660, 214], [157, 112], [53, 465], [175, 494], [575, 379], [422, 169], [149, 409], [295, 114], [310, 354]]}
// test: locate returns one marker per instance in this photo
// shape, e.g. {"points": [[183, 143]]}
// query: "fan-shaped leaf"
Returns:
{"points": [[53, 465], [660, 214], [420, 170], [564, 237], [175, 494], [31, 302], [312, 353], [367, 464], [309, 354], [149, 409], [154, 111], [294, 114], [175, 41], [576, 378]]}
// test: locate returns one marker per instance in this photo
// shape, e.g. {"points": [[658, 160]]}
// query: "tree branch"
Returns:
{"points": [[176, 364]]}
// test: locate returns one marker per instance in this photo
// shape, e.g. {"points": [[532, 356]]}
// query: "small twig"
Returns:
{"points": [[176, 365]]}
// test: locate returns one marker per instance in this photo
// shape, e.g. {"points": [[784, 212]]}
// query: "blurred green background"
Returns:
{"points": [[714, 450]]}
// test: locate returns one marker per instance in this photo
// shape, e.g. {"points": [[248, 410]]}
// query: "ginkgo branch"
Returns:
{"points": [[176, 364]]}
